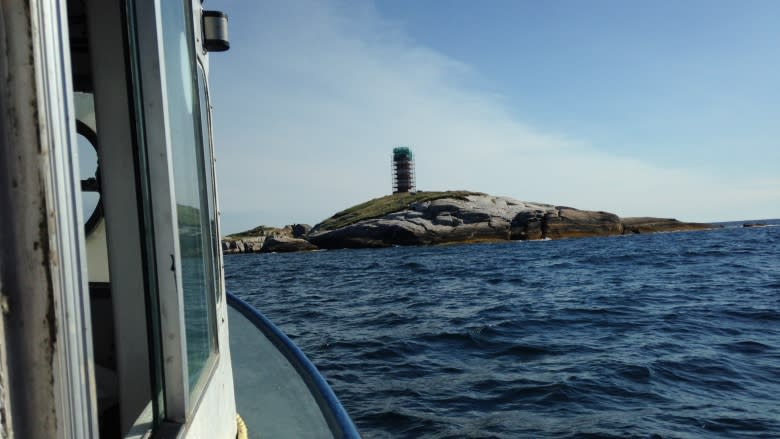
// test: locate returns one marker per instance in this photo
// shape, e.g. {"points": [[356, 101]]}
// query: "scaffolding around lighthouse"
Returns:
{"points": [[403, 170]]}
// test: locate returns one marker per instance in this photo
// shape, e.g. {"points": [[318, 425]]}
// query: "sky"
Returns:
{"points": [[658, 108]]}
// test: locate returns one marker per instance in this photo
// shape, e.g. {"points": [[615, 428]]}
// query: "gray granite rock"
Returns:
{"points": [[300, 230], [567, 222], [460, 219], [474, 218], [652, 225], [481, 218], [254, 244], [285, 244]]}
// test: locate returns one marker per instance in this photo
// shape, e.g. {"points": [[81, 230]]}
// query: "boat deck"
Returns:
{"points": [[279, 393]]}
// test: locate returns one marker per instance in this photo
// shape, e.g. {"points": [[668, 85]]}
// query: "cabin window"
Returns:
{"points": [[192, 189], [149, 210], [88, 160], [208, 154], [91, 199]]}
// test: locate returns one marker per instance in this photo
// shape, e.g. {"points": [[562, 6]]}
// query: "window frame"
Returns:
{"points": [[167, 254], [46, 367], [181, 403]]}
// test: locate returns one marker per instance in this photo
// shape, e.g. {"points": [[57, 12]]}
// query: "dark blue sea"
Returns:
{"points": [[669, 335]]}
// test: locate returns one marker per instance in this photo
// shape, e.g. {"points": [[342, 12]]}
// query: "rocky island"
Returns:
{"points": [[431, 218]]}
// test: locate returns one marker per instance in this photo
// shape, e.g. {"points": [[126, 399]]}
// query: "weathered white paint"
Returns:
{"points": [[51, 389], [120, 199], [160, 163], [46, 373], [212, 415], [215, 415]]}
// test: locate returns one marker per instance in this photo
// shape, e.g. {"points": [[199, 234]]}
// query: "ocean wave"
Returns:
{"points": [[649, 336]]}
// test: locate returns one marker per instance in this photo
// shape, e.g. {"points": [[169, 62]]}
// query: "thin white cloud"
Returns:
{"points": [[310, 106]]}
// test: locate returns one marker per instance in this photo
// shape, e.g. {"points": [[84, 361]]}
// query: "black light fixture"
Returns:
{"points": [[215, 31]]}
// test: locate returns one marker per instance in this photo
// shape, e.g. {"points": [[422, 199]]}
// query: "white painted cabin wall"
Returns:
{"points": [[215, 416], [218, 403], [116, 152], [46, 321]]}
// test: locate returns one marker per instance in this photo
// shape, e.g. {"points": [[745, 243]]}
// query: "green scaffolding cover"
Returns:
{"points": [[402, 152]]}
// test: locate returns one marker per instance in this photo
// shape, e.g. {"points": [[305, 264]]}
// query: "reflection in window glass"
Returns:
{"points": [[88, 158], [146, 221], [191, 189], [207, 158], [88, 164]]}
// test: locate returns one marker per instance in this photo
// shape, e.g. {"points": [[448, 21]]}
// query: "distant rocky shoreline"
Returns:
{"points": [[433, 218], [264, 239]]}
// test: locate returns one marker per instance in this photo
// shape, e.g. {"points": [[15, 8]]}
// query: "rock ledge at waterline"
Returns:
{"points": [[431, 218]]}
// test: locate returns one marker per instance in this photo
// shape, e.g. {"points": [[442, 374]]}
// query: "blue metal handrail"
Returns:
{"points": [[338, 419]]}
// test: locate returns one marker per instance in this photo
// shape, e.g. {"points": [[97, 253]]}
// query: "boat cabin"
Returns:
{"points": [[114, 319]]}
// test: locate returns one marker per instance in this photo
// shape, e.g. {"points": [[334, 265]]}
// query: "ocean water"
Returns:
{"points": [[670, 335]]}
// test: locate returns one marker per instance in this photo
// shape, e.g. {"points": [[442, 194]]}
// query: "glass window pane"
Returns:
{"points": [[191, 188], [205, 125], [90, 194], [147, 224], [88, 160]]}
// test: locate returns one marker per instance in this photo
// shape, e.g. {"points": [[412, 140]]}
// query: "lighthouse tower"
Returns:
{"points": [[403, 170]]}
